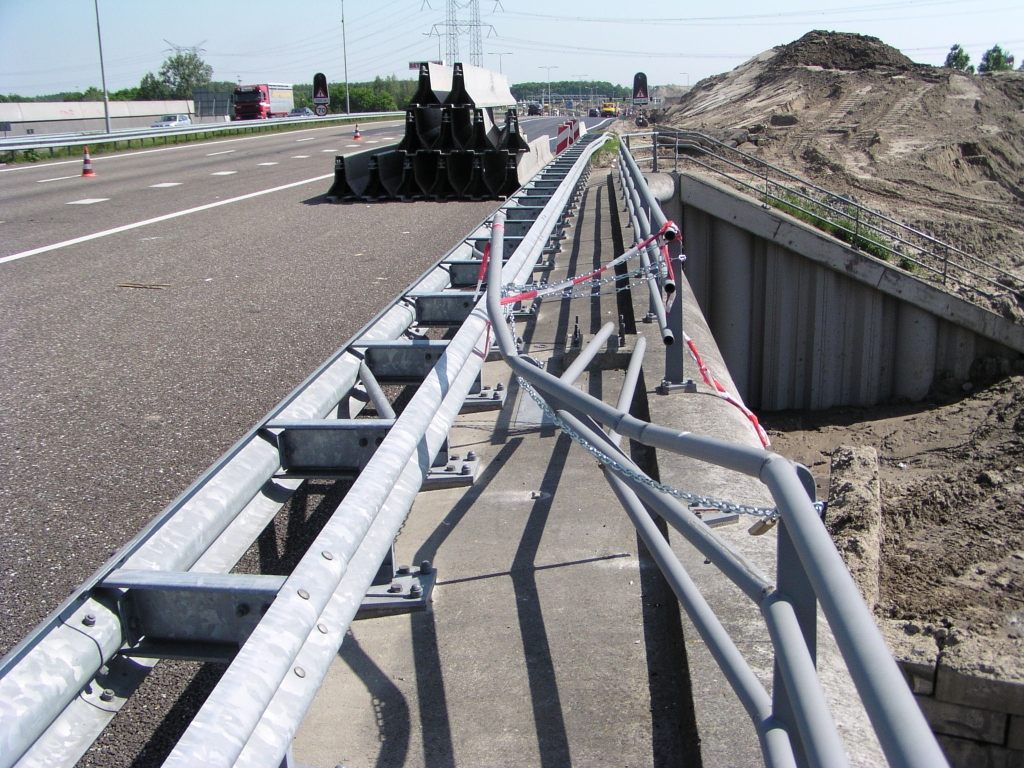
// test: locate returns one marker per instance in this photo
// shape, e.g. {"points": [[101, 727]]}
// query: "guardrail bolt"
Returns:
{"points": [[327, 555], [450, 468], [415, 591], [304, 594], [404, 570], [89, 620], [466, 469], [242, 610], [426, 568], [107, 695], [395, 588], [453, 457], [499, 387], [471, 456]]}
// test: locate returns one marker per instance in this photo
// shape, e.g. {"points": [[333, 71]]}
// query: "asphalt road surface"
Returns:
{"points": [[115, 398], [152, 315]]}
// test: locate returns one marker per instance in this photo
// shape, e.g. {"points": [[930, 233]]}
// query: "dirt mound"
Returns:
{"points": [[952, 487], [840, 50], [935, 149]]}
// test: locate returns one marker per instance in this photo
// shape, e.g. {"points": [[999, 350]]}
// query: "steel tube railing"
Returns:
{"points": [[902, 729], [588, 353]]}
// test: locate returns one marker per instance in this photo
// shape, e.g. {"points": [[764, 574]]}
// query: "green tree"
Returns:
{"points": [[958, 59], [362, 99], [995, 59], [184, 71], [153, 89], [92, 93]]}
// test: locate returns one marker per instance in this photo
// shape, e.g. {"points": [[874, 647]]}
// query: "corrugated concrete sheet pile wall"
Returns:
{"points": [[805, 321], [452, 148]]}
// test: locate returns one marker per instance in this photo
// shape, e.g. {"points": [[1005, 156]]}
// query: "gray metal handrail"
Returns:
{"points": [[59, 141], [796, 721], [865, 228]]}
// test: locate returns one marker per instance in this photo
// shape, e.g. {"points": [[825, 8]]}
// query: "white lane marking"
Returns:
{"points": [[299, 157], [190, 145], [351, 145], [371, 141], [88, 201], [223, 173], [322, 150], [387, 138], [306, 139], [164, 184], [266, 163], [59, 178], [225, 152], [165, 217]]}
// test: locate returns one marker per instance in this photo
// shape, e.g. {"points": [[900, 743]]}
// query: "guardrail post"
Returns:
{"points": [[675, 378], [792, 582], [654, 151]]}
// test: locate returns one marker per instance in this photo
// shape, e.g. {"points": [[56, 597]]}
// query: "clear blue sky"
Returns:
{"points": [[50, 45]]}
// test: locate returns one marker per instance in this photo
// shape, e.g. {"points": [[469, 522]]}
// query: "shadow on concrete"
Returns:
{"points": [[281, 549], [552, 739], [389, 703]]}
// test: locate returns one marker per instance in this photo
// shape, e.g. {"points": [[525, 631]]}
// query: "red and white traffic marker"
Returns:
{"points": [[87, 165], [357, 137]]}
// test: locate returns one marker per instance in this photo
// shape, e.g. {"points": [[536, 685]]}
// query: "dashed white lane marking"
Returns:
{"points": [[266, 163], [165, 217], [59, 178], [223, 173], [322, 150], [351, 145], [306, 139], [88, 201], [225, 152], [371, 141], [387, 138], [299, 157], [164, 184]]}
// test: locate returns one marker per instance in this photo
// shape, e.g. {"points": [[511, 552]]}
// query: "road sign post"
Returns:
{"points": [[321, 97]]}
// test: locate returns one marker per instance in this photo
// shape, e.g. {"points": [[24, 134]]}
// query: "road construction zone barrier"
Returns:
{"points": [[568, 134]]}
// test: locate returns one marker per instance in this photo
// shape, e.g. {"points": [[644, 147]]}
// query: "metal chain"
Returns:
{"points": [[766, 513]]}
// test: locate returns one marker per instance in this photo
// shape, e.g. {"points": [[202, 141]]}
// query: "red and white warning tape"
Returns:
{"points": [[547, 290], [722, 392]]}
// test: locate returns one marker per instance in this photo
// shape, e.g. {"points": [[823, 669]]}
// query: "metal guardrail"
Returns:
{"points": [[892, 242], [794, 725], [59, 141], [169, 592]]}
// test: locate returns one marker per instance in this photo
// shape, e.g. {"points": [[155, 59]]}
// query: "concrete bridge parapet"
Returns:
{"points": [[806, 321]]}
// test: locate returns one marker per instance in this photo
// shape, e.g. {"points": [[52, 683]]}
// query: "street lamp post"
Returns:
{"points": [[549, 82], [103, 74], [344, 54], [499, 55]]}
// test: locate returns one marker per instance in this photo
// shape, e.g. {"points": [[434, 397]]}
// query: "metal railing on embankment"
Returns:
{"points": [[170, 594], [794, 724], [895, 244], [51, 142]]}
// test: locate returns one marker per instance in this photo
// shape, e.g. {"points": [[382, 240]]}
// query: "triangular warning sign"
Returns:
{"points": [[320, 94], [640, 94]]}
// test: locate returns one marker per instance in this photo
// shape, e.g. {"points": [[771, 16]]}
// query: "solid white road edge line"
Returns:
{"points": [[165, 217]]}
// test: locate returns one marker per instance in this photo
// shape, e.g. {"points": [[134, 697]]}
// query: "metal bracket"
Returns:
{"points": [[408, 590], [446, 309], [190, 615], [486, 399], [451, 471], [401, 361], [328, 447], [667, 387]]}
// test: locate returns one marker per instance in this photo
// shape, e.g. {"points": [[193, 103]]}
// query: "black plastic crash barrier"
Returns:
{"points": [[452, 147]]}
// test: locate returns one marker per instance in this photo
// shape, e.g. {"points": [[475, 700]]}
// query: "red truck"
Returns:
{"points": [[259, 102]]}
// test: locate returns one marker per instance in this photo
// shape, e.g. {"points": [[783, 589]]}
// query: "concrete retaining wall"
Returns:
{"points": [[805, 321], [68, 116]]}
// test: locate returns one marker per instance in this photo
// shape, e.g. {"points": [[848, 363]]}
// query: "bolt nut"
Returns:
{"points": [[453, 457], [107, 695], [89, 620], [471, 456], [404, 570], [499, 387], [304, 594], [395, 588], [496, 396], [450, 468], [426, 568], [415, 591], [466, 469]]}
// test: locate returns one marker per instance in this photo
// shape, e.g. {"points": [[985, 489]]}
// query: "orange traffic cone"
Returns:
{"points": [[87, 165], [357, 137]]}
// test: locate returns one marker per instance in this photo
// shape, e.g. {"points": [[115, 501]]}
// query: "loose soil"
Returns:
{"points": [[944, 152]]}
